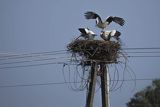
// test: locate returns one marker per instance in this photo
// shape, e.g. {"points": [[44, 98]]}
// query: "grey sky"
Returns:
{"points": [[28, 26]]}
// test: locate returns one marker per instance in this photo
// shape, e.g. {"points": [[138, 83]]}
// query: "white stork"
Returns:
{"points": [[100, 23], [106, 35], [87, 33]]}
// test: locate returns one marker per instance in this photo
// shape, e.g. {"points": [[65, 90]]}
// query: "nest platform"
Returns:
{"points": [[99, 50]]}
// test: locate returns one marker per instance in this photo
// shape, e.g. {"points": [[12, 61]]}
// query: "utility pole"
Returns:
{"points": [[92, 84], [104, 85]]}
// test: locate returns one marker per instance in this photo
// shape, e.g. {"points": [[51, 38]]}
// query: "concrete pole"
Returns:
{"points": [[104, 86], [92, 85]]}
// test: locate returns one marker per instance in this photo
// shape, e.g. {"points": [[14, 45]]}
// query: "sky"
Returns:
{"points": [[37, 26]]}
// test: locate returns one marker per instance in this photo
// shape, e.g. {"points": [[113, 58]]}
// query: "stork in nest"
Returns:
{"points": [[107, 35], [87, 34]]}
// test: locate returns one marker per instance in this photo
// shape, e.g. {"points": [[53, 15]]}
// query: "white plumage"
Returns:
{"points": [[87, 33], [106, 35], [100, 23]]}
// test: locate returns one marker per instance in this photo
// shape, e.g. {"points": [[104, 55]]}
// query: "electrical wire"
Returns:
{"points": [[61, 83], [32, 65], [34, 84], [140, 52], [146, 56], [35, 60], [34, 53], [28, 55], [58, 52], [51, 63], [141, 48]]}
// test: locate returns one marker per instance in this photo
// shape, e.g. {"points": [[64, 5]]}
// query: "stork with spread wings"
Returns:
{"points": [[104, 24]]}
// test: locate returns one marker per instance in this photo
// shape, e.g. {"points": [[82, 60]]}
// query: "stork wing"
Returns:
{"points": [[91, 15], [83, 30], [119, 20]]}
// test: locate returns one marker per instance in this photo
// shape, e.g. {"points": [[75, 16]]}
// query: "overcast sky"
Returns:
{"points": [[31, 26]]}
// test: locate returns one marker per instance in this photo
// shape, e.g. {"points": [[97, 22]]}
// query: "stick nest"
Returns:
{"points": [[104, 51]]}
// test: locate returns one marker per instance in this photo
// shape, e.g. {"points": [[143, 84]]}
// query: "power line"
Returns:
{"points": [[57, 51], [20, 57], [51, 63], [151, 56], [35, 84], [137, 79], [61, 83], [36, 54], [28, 55], [44, 54], [142, 48], [143, 52], [32, 65], [35, 60]]}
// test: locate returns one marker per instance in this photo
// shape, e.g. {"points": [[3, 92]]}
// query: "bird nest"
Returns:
{"points": [[99, 50]]}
